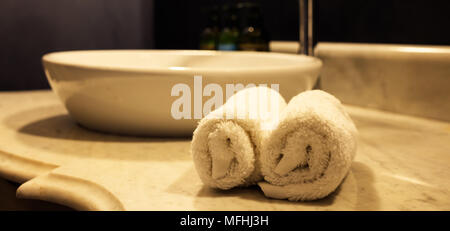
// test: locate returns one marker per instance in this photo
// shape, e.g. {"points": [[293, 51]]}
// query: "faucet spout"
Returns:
{"points": [[306, 27]]}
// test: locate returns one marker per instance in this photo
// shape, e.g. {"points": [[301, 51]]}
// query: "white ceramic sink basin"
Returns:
{"points": [[129, 91]]}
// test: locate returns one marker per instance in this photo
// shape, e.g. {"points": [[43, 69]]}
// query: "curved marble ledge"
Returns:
{"points": [[70, 191], [20, 169]]}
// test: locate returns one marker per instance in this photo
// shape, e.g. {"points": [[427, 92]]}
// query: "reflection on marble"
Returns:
{"points": [[406, 79], [402, 164]]}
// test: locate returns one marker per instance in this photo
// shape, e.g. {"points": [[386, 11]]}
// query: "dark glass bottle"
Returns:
{"points": [[252, 37], [229, 35], [209, 35]]}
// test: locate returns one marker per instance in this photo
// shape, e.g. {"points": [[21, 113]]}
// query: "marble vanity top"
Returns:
{"points": [[402, 163]]}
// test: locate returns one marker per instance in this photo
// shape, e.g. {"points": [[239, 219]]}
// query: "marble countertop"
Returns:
{"points": [[402, 163]]}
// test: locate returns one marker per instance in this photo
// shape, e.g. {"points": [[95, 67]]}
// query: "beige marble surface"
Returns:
{"points": [[403, 163], [405, 79]]}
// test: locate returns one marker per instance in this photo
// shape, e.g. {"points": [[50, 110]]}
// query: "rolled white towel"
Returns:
{"points": [[225, 145], [310, 151]]}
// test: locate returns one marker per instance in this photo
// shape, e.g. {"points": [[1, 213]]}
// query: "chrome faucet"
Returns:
{"points": [[306, 41]]}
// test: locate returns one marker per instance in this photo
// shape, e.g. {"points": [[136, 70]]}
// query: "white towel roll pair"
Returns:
{"points": [[296, 151]]}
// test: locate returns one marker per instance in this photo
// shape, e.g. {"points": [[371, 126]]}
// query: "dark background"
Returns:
{"points": [[31, 28]]}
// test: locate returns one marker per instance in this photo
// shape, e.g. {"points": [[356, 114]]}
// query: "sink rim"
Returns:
{"points": [[305, 62]]}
